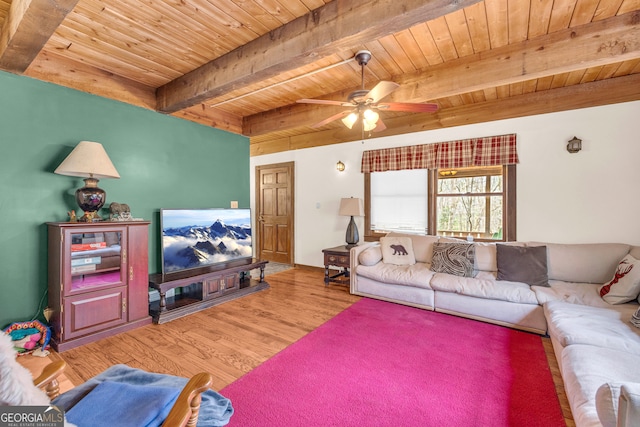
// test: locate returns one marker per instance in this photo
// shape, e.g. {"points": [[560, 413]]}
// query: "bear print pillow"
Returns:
{"points": [[397, 250]]}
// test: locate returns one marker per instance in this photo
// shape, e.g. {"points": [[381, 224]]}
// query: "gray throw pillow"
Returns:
{"points": [[522, 264], [635, 319], [453, 258]]}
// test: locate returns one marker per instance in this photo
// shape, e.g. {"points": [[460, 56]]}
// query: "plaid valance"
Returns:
{"points": [[487, 151]]}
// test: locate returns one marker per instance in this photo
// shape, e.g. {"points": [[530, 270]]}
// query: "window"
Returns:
{"points": [[454, 202], [469, 202], [399, 201]]}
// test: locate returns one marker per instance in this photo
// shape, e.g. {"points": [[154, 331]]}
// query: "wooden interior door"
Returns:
{"points": [[274, 212]]}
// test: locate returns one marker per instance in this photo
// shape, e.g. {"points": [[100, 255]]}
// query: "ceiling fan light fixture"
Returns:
{"points": [[350, 120], [371, 116], [368, 126], [369, 119]]}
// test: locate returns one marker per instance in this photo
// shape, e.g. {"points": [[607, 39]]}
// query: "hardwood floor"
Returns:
{"points": [[230, 339]]}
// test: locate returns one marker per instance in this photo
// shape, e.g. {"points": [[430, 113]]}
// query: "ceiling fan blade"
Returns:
{"points": [[332, 118], [408, 107], [381, 90], [380, 126], [320, 101]]}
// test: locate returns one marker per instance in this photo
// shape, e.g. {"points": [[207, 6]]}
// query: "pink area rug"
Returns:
{"points": [[383, 364]]}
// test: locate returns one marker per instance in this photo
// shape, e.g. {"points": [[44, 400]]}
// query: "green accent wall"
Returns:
{"points": [[163, 161]]}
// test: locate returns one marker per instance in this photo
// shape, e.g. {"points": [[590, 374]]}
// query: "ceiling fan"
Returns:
{"points": [[364, 103]]}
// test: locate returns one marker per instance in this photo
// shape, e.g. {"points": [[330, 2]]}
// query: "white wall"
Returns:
{"points": [[590, 196]]}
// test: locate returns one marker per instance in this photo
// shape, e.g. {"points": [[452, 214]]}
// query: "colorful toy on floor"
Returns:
{"points": [[30, 337]]}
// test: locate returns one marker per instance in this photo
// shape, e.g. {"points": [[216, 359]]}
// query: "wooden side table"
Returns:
{"points": [[340, 256]]}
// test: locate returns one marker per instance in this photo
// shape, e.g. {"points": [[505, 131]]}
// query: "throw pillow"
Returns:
{"points": [[453, 258], [397, 250], [370, 256], [522, 264], [625, 284], [635, 319]]}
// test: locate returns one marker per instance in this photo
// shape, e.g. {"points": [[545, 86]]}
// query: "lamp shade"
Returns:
{"points": [[89, 160], [350, 120], [350, 206]]}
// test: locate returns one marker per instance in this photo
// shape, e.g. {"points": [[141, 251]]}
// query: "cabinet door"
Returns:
{"points": [[231, 282], [213, 287], [219, 285], [94, 311], [93, 259], [138, 271]]}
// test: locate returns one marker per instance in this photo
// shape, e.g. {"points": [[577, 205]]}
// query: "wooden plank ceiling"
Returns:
{"points": [[240, 65]]}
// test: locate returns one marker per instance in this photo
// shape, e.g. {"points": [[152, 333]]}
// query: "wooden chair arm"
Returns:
{"points": [[49, 378], [185, 410]]}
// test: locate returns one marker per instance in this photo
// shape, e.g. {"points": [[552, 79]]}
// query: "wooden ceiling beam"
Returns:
{"points": [[338, 25], [604, 92], [599, 43], [211, 117], [49, 66], [27, 28]]}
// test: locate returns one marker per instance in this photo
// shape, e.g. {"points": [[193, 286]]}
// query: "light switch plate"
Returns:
{"points": [[234, 204]]}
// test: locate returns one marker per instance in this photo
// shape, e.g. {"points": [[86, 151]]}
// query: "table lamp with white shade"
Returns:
{"points": [[350, 206], [89, 160]]}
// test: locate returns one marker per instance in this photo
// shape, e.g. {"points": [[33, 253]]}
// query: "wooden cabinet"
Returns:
{"points": [[203, 288], [222, 284], [98, 280], [340, 257]]}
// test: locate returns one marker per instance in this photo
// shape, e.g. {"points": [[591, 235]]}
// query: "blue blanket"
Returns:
{"points": [[215, 409], [112, 403]]}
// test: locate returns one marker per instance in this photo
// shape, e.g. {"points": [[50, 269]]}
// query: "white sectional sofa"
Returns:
{"points": [[595, 343]]}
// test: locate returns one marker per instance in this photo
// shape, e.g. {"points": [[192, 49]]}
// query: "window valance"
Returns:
{"points": [[486, 151]]}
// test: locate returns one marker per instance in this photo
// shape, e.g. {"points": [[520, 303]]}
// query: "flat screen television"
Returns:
{"points": [[196, 238]]}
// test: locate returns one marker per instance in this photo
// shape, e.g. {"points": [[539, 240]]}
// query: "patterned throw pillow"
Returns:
{"points": [[397, 250], [453, 258], [625, 284], [635, 319]]}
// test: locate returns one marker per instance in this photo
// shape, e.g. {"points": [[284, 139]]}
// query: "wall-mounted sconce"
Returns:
{"points": [[574, 145], [340, 166]]}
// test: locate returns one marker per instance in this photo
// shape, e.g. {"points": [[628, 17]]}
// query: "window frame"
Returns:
{"points": [[509, 205]]}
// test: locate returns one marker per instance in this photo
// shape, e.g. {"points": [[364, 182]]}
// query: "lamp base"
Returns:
{"points": [[352, 236], [90, 198]]}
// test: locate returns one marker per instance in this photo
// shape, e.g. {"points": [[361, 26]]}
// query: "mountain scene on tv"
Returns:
{"points": [[196, 245]]}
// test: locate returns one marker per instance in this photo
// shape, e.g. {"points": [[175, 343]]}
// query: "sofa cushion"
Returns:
{"points": [[607, 397], [629, 407], [484, 286], [585, 368], [370, 256], [574, 293], [624, 286], [417, 275], [583, 263], [571, 324], [485, 257], [422, 245], [522, 264], [397, 250], [453, 258]]}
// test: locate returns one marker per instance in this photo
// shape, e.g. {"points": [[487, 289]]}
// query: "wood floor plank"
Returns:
{"points": [[230, 339]]}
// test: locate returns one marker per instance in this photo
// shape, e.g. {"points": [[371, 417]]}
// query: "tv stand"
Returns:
{"points": [[204, 288]]}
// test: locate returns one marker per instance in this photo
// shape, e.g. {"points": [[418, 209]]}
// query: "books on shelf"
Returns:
{"points": [[88, 246], [83, 261], [97, 238], [86, 268]]}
